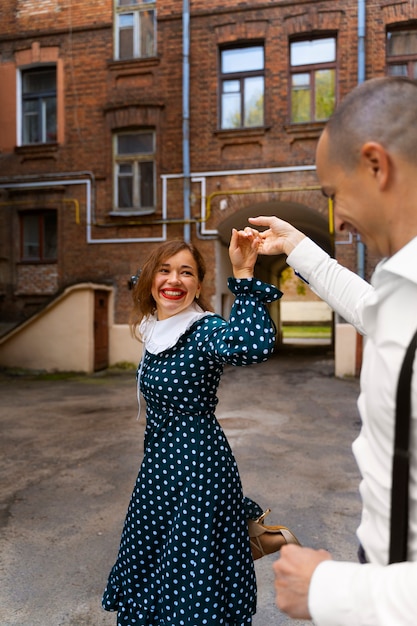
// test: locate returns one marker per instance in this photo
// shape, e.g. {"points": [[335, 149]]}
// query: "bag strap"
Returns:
{"points": [[401, 460]]}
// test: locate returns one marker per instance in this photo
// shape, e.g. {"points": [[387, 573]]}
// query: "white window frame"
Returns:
{"points": [[134, 160], [311, 68], [240, 78], [135, 8]]}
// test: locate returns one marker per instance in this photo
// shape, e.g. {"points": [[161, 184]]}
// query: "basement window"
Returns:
{"points": [[134, 172], [135, 29], [38, 236]]}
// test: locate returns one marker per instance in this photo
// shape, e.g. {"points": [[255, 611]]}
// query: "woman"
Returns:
{"points": [[185, 558]]}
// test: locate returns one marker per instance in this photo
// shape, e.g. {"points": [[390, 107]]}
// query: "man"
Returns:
{"points": [[367, 163]]}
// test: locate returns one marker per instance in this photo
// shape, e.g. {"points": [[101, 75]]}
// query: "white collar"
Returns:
{"points": [[402, 263], [159, 335]]}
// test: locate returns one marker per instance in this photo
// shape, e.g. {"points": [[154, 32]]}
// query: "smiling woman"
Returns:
{"points": [[159, 264], [175, 284], [185, 555]]}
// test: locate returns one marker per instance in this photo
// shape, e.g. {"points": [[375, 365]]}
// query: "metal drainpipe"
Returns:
{"points": [[186, 116], [360, 255]]}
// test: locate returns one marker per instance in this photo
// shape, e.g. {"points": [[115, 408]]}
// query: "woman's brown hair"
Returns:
{"points": [[143, 301]]}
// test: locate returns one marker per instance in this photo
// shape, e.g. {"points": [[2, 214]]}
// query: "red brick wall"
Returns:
{"points": [[98, 95]]}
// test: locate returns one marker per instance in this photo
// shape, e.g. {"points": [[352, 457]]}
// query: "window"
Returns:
{"points": [[135, 171], [38, 88], [135, 29], [242, 87], [38, 236], [402, 53], [313, 79]]}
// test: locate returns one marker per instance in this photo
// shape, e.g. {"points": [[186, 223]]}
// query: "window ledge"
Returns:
{"points": [[234, 133], [129, 64], [307, 130], [37, 262], [132, 213], [136, 103], [38, 151]]}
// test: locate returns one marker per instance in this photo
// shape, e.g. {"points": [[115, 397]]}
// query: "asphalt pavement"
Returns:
{"points": [[70, 452]]}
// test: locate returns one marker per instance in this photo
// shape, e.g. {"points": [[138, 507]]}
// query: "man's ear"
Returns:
{"points": [[376, 159]]}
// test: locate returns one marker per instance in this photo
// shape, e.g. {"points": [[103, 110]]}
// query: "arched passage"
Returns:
{"points": [[270, 268]]}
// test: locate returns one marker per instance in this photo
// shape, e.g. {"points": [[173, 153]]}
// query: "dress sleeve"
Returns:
{"points": [[249, 335]]}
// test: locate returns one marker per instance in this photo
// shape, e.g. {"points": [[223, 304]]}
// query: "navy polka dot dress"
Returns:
{"points": [[184, 557]]}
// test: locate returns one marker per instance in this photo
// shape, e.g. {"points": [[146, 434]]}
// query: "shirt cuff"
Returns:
{"points": [[336, 594], [260, 290], [329, 597], [343, 594], [305, 258]]}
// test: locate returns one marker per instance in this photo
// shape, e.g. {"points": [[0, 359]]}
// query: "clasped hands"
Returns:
{"points": [[279, 237]]}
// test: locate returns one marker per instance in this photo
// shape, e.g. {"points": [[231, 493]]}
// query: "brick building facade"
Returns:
{"points": [[124, 123]]}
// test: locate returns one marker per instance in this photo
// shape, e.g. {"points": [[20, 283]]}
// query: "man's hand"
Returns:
{"points": [[280, 237], [293, 572], [243, 252]]}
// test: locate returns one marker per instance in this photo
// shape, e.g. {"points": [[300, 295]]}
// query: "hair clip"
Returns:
{"points": [[134, 279]]}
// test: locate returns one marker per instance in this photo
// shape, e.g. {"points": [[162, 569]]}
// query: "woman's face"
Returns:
{"points": [[175, 284]]}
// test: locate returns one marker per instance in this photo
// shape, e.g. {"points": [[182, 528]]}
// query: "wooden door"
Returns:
{"points": [[101, 330]]}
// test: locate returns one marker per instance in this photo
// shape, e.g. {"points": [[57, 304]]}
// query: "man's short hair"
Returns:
{"points": [[383, 110]]}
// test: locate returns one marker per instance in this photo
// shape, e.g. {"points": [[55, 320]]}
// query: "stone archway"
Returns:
{"points": [[312, 223], [270, 268]]}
